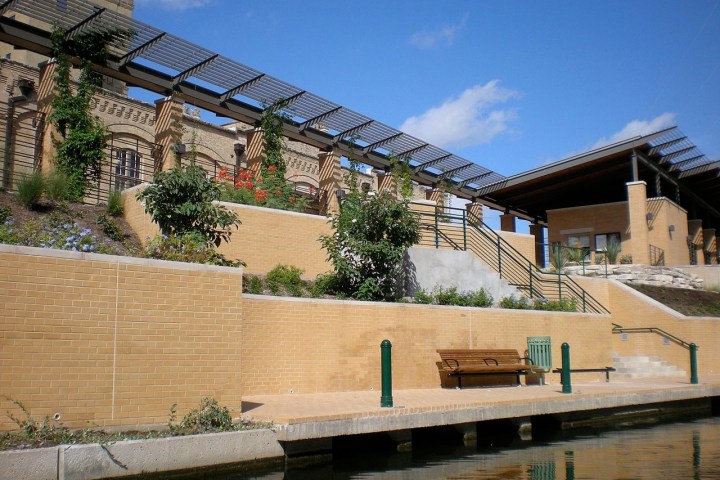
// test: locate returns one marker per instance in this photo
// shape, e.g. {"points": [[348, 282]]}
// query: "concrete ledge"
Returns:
{"points": [[134, 457]]}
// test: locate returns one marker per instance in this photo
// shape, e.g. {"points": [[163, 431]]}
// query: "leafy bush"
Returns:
{"points": [[180, 201], [479, 298], [558, 257], [421, 296], [254, 285], [626, 260], [115, 206], [40, 432], [56, 186], [371, 234], [324, 284], [210, 417], [30, 190], [110, 227], [287, 277], [5, 214], [516, 303], [612, 250], [448, 296], [189, 247]]}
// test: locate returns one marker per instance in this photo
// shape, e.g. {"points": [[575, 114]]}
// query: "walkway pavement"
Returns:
{"points": [[321, 415]]}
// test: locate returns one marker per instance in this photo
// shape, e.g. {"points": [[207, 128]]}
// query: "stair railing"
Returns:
{"points": [[450, 227], [620, 329]]}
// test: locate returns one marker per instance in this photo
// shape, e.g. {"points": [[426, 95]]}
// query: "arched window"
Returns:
{"points": [[127, 168]]}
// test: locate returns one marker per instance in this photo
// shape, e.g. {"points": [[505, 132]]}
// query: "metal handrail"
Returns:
{"points": [[620, 329], [510, 264]]}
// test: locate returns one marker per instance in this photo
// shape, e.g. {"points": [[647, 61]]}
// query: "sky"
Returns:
{"points": [[511, 85]]}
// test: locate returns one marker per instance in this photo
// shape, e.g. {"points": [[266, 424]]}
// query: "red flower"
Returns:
{"points": [[249, 185], [272, 168], [293, 200], [260, 195]]}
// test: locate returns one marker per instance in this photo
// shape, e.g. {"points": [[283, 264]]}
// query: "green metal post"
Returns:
{"points": [[565, 374], [386, 400], [559, 286], [584, 302], [693, 364], [437, 239]]}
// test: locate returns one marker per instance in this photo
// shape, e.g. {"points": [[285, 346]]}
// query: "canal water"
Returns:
{"points": [[671, 451]]}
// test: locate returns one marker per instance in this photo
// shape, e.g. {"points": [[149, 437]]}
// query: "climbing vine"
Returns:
{"points": [[81, 145], [271, 124]]}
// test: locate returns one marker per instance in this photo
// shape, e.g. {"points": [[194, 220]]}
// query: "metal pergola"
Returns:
{"points": [[670, 164], [164, 63]]}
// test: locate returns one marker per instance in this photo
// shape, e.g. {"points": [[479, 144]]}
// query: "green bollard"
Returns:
{"points": [[386, 399], [693, 364], [565, 374]]}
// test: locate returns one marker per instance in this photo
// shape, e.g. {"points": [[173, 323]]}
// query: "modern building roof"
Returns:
{"points": [[164, 63], [670, 164]]}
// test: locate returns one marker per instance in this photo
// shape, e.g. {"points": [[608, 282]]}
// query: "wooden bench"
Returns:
{"points": [[607, 371], [497, 362]]}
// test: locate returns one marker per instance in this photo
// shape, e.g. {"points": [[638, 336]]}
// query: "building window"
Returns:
{"points": [[602, 240], [127, 169], [580, 242]]}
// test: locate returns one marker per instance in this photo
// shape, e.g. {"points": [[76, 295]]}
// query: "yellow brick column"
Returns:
{"points": [[507, 222], [255, 150], [709, 246], [538, 231], [330, 180], [169, 130], [695, 236], [436, 195], [45, 93], [387, 182], [474, 212], [637, 219]]}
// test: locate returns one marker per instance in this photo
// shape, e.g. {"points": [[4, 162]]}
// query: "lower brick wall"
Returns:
{"points": [[304, 346], [106, 340]]}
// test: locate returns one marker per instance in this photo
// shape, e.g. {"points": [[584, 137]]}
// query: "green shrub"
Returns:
{"points": [[421, 296], [480, 298], [287, 277], [448, 296], [562, 305], [324, 284], [110, 227], [189, 247], [516, 303], [56, 186], [210, 417], [5, 214], [115, 206], [626, 259], [181, 200], [30, 190], [39, 433], [253, 284]]}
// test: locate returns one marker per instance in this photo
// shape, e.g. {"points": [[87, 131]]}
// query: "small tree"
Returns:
{"points": [[180, 201], [371, 234]]}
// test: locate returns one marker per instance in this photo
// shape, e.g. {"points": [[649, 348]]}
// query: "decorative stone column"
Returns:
{"points": [[330, 180], [709, 246], [507, 222], [45, 93], [637, 218], [538, 231], [169, 131], [255, 150], [474, 212], [387, 182], [695, 240]]}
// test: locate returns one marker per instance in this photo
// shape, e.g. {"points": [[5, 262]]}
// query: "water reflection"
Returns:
{"points": [[689, 450]]}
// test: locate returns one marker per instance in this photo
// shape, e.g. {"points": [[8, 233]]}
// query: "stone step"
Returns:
{"points": [[643, 366]]}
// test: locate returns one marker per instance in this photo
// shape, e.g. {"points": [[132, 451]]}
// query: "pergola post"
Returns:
{"points": [[695, 239], [436, 195], [45, 93], [637, 216], [507, 222], [538, 231], [169, 131], [330, 180], [387, 182], [255, 150], [475, 212], [709, 246]]}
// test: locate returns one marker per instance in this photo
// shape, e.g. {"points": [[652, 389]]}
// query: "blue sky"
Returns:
{"points": [[510, 85]]}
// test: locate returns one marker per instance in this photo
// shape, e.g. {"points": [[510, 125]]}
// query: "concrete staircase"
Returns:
{"points": [[642, 366]]}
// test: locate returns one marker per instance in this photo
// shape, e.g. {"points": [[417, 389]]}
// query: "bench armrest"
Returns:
{"points": [[490, 359], [528, 361], [447, 361]]}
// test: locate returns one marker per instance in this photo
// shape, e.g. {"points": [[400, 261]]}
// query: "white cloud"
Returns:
{"points": [[173, 4], [638, 128], [466, 120], [444, 35]]}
